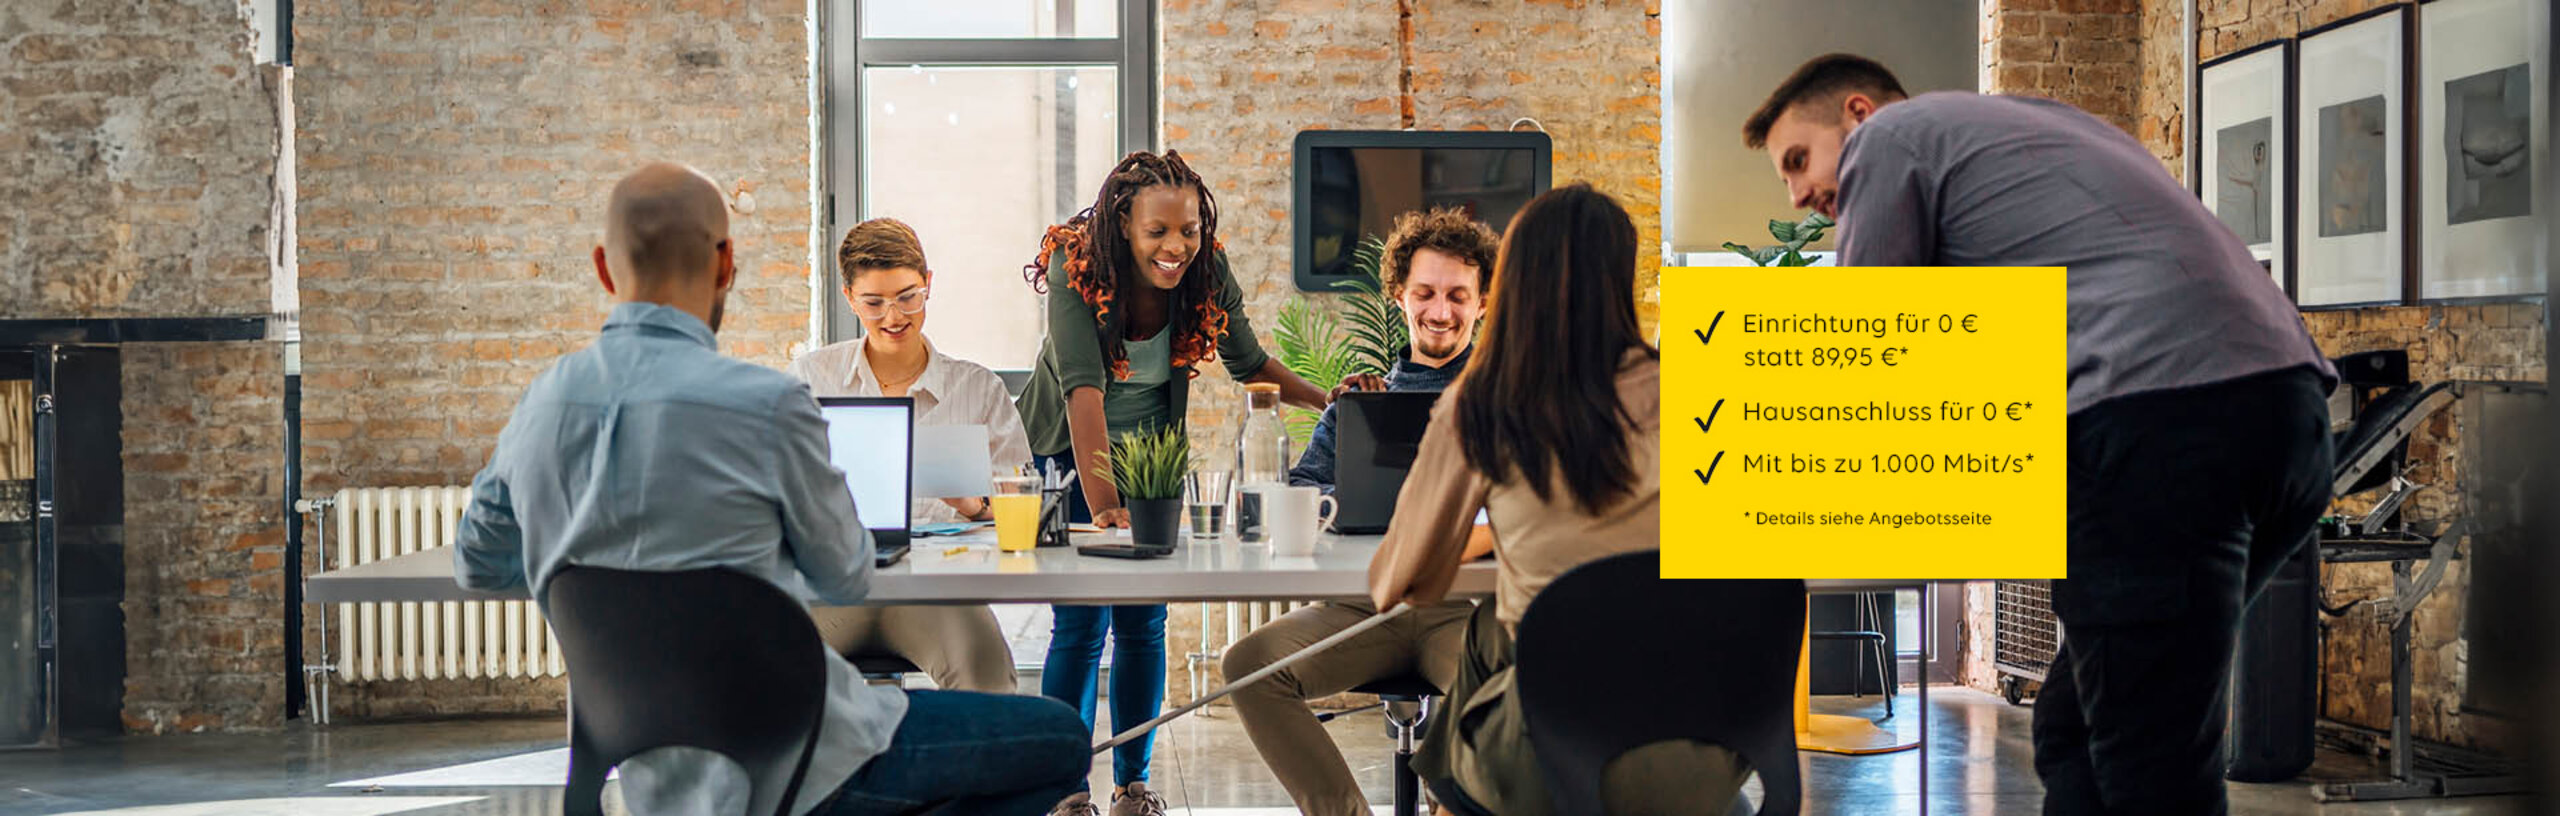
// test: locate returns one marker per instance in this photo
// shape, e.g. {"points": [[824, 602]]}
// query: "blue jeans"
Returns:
{"points": [[996, 754], [1137, 659]]}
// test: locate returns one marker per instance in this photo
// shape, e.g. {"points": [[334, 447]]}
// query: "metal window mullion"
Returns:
{"points": [[1137, 60], [845, 152]]}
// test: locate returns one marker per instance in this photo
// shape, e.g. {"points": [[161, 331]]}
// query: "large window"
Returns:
{"points": [[979, 123]]}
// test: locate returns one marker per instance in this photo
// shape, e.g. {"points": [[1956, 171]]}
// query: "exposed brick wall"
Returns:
{"points": [[141, 143], [2161, 91], [454, 163], [204, 536], [2224, 26], [2083, 52]]}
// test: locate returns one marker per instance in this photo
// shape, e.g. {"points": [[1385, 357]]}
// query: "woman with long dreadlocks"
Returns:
{"points": [[1138, 294]]}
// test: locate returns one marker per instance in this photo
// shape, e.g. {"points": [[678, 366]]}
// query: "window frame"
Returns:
{"points": [[845, 54]]}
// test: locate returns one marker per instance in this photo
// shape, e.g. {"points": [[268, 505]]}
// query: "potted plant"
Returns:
{"points": [[1792, 237], [1147, 467]]}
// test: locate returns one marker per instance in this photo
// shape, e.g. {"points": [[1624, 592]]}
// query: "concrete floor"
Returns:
{"points": [[1979, 764]]}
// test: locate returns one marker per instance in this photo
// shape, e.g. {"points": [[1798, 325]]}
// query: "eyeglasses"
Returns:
{"points": [[874, 307]]}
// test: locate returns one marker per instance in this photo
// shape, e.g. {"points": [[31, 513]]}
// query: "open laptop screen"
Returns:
{"points": [[869, 439]]}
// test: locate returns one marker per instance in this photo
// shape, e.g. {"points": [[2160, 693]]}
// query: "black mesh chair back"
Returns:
{"points": [[711, 658], [1597, 676]]}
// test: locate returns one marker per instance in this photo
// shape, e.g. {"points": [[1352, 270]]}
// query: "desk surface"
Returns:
{"points": [[933, 573], [967, 569]]}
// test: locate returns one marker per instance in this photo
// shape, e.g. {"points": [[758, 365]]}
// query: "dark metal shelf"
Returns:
{"points": [[101, 331]]}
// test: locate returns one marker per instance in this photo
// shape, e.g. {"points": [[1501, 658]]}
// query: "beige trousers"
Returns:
{"points": [[1429, 641], [960, 647]]}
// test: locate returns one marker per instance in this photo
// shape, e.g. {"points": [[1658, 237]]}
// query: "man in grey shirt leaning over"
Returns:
{"points": [[650, 451], [2199, 445]]}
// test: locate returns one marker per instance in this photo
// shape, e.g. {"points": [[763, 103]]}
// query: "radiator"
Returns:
{"points": [[412, 640]]}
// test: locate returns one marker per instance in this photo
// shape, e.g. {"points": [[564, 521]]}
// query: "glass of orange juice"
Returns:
{"points": [[1017, 507]]}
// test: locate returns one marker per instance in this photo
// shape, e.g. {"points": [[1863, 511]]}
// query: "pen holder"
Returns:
{"points": [[1053, 518]]}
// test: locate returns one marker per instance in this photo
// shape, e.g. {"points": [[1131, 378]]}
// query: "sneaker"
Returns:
{"points": [[1136, 800], [1078, 805]]}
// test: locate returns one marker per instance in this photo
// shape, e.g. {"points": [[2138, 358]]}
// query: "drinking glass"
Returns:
{"points": [[1017, 508], [1204, 495]]}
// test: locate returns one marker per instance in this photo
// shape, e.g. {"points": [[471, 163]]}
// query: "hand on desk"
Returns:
{"points": [[973, 509], [1356, 382], [1114, 517]]}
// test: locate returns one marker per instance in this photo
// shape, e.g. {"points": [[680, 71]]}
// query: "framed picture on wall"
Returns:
{"points": [[2484, 147], [2353, 105], [2242, 164]]}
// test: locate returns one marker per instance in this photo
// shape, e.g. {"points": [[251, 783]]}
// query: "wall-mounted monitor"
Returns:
{"points": [[1353, 183]]}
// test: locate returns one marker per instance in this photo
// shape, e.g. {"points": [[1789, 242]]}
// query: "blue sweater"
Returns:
{"points": [[1315, 464]]}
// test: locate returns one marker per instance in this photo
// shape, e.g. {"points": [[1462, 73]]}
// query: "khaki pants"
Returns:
{"points": [[1428, 641], [960, 647], [1480, 742]]}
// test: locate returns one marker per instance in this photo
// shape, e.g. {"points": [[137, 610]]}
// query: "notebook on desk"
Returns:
{"points": [[1375, 437], [872, 439]]}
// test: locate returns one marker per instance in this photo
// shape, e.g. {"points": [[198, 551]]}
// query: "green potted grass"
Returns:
{"points": [[1147, 468]]}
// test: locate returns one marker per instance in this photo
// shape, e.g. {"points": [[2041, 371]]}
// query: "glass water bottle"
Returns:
{"points": [[1263, 458]]}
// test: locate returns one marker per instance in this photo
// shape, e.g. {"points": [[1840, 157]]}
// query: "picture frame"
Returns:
{"points": [[2354, 103], [2243, 155], [2484, 147]]}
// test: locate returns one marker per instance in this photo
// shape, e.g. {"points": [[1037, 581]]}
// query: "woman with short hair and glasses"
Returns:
{"points": [[886, 281]]}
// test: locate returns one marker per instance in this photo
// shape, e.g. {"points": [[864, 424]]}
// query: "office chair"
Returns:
{"points": [[1594, 681], [650, 668], [1408, 702]]}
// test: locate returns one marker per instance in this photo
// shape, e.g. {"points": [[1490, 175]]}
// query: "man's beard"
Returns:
{"points": [[1443, 352], [719, 304]]}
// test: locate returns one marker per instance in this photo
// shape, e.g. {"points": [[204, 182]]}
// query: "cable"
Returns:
{"points": [[1532, 122], [1329, 642]]}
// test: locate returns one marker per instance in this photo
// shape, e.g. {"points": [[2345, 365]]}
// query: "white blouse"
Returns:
{"points": [[951, 391]]}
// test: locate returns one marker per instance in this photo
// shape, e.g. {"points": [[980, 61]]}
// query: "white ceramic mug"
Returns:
{"points": [[1292, 516]]}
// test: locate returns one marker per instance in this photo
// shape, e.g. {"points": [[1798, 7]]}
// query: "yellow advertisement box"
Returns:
{"points": [[1827, 422]]}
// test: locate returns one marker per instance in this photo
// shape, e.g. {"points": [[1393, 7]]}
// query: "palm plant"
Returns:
{"points": [[1376, 322], [1313, 341], [1150, 464], [1792, 237]]}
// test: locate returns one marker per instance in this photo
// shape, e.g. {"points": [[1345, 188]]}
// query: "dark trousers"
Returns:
{"points": [[2183, 503]]}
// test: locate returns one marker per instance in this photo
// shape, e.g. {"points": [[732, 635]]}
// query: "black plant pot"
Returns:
{"points": [[1155, 522]]}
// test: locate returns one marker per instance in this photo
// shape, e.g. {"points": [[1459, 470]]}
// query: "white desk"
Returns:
{"points": [[933, 574]]}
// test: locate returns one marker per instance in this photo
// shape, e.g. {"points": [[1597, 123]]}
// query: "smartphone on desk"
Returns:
{"points": [[1122, 551]]}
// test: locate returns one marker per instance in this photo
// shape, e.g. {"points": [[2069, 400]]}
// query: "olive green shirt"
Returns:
{"points": [[1071, 356], [1138, 403]]}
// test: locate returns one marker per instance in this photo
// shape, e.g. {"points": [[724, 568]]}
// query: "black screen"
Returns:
{"points": [[1359, 191]]}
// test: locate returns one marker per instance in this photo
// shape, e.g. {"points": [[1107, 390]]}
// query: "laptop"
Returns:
{"points": [[1375, 436], [872, 439]]}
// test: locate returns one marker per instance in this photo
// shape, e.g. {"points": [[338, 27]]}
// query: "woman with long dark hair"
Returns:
{"points": [[1145, 296], [1553, 430]]}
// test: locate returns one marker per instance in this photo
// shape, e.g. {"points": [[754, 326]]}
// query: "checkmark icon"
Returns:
{"points": [[1708, 476], [1708, 336], [1707, 424]]}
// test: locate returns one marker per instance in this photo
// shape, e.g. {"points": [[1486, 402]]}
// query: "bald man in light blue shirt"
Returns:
{"points": [[650, 451]]}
